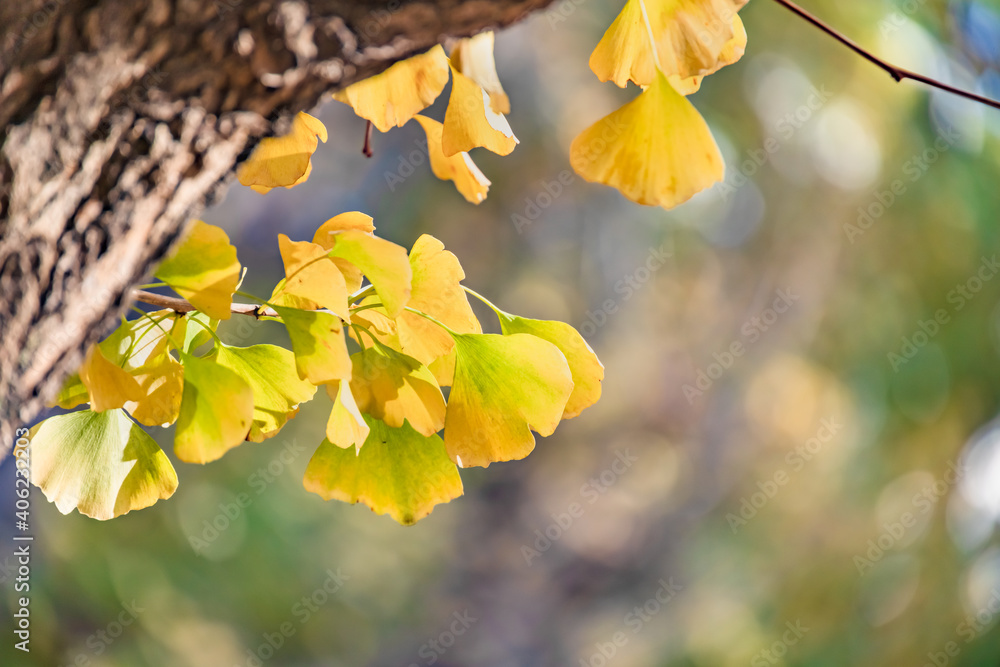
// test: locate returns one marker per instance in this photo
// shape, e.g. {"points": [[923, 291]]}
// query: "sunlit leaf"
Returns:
{"points": [[72, 393], [470, 122], [270, 372], [339, 223], [100, 463], [656, 150], [283, 161], [217, 409], [473, 57], [393, 97], [345, 427], [204, 270], [108, 385], [504, 386], [384, 263], [459, 168], [195, 334], [392, 386], [318, 343], [311, 280], [398, 472]]}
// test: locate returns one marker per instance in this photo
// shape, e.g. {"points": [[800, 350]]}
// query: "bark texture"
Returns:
{"points": [[121, 120]]}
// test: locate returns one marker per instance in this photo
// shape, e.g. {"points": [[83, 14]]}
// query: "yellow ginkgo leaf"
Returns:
{"points": [[346, 426], [383, 262], [318, 343], [72, 394], [473, 57], [108, 385], [458, 168], [469, 120], [731, 52], [392, 386], [311, 280], [656, 150], [204, 270], [504, 387], [393, 97], [693, 38], [285, 161], [216, 411], [339, 223]]}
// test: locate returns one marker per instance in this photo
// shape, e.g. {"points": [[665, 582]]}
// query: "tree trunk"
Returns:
{"points": [[120, 120]]}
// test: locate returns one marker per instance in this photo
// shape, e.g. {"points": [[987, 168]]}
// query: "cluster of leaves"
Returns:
{"points": [[409, 319]]}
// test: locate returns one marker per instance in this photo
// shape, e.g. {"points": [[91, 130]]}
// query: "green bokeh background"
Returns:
{"points": [[833, 440]]}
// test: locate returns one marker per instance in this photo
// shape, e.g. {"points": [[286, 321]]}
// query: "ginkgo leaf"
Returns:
{"points": [[217, 409], [392, 386], [393, 97], [197, 335], [383, 262], [731, 52], [504, 386], [656, 150], [283, 161], [586, 368], [693, 38], [398, 472], [371, 315], [72, 393], [346, 426], [311, 280], [339, 223], [473, 57], [469, 121], [99, 463], [107, 384], [443, 369], [459, 168], [437, 291], [204, 270], [318, 343], [277, 388]]}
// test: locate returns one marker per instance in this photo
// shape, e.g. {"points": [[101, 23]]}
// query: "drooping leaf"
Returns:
{"points": [[397, 472], [283, 161], [586, 368], [383, 262], [216, 412], [311, 280], [339, 223], [100, 463], [393, 97], [504, 386], [204, 270], [392, 386], [473, 57], [345, 427], [108, 386], [459, 168], [656, 150], [270, 372], [693, 38], [318, 343], [469, 121]]}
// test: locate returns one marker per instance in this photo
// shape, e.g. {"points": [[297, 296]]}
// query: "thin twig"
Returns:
{"points": [[366, 150], [897, 73], [181, 306]]}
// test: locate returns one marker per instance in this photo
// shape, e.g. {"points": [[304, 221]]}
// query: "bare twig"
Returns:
{"points": [[366, 150], [181, 306]]}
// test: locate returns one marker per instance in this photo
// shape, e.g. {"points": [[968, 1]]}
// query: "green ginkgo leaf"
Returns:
{"points": [[277, 388], [587, 369], [398, 472], [383, 262], [318, 343], [100, 463], [217, 409], [204, 270], [195, 334], [504, 386], [392, 386], [72, 393]]}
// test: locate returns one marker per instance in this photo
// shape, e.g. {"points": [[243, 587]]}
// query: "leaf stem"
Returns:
{"points": [[431, 318], [482, 298], [156, 324]]}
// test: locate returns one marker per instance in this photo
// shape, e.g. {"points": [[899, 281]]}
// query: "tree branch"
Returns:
{"points": [[897, 73], [181, 306]]}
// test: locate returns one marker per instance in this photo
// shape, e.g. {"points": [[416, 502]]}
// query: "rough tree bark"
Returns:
{"points": [[121, 120]]}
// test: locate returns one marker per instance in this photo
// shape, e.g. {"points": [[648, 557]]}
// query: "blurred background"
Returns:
{"points": [[796, 460]]}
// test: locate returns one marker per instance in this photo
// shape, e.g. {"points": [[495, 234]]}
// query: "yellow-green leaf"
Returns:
{"points": [[108, 385], [72, 393], [100, 463], [283, 161], [311, 280], [398, 472], [277, 389], [345, 427], [383, 262], [504, 386], [318, 343], [204, 270], [216, 412], [338, 223], [392, 386], [586, 368]]}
